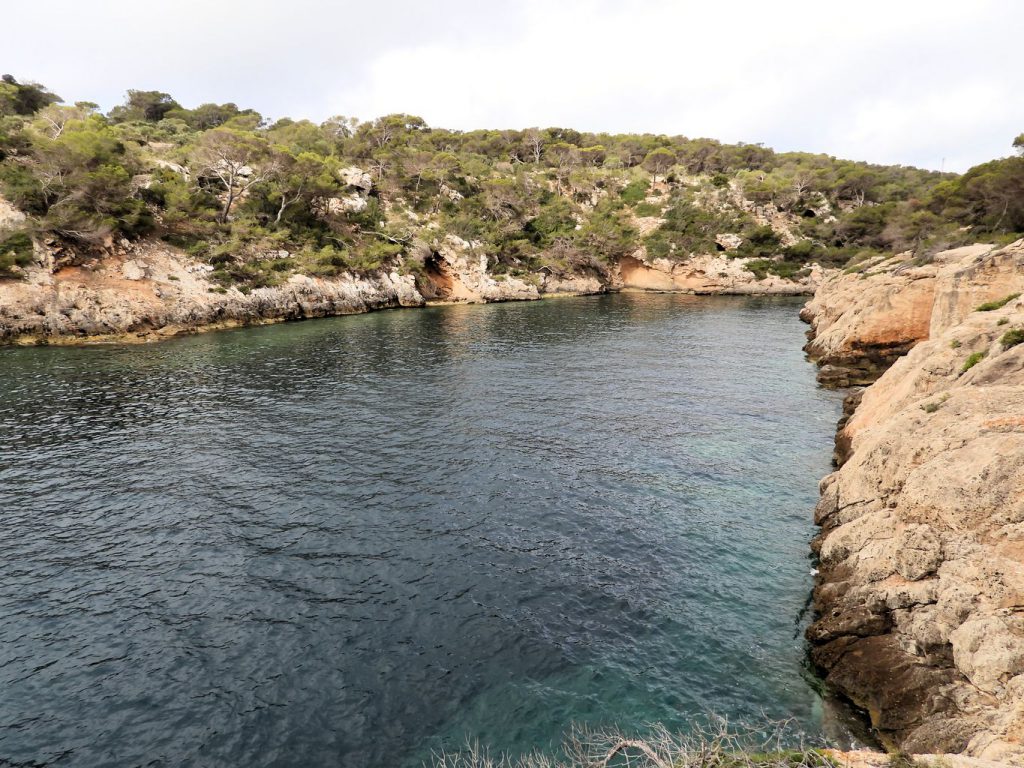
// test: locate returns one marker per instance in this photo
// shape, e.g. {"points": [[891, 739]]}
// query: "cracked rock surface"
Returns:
{"points": [[920, 594]]}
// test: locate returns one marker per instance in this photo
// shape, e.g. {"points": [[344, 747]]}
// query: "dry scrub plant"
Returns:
{"points": [[713, 746]]}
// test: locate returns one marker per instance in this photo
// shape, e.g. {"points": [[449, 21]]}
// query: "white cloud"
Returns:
{"points": [[911, 81]]}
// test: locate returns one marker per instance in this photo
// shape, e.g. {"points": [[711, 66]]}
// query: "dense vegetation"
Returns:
{"points": [[259, 200]]}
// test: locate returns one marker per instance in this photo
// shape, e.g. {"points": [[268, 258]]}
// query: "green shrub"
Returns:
{"points": [[955, 344], [973, 360], [788, 270], [1012, 338], [759, 267], [930, 407], [758, 242], [991, 306], [553, 220], [15, 251], [804, 251], [647, 209], [634, 192]]}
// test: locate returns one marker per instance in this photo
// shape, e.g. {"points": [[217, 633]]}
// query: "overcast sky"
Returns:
{"points": [[920, 82]]}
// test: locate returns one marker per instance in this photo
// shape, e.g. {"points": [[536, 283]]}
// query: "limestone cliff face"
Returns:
{"points": [[706, 274], [864, 321], [920, 595], [148, 290]]}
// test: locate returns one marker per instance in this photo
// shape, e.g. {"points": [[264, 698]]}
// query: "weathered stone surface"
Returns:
{"points": [[134, 269], [159, 292], [989, 650], [729, 241], [709, 275], [920, 596], [862, 322], [10, 217], [356, 177], [148, 290]]}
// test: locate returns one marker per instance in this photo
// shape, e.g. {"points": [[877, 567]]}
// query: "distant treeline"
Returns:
{"points": [[259, 200]]}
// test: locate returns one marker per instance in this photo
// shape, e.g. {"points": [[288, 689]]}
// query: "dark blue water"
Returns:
{"points": [[350, 541]]}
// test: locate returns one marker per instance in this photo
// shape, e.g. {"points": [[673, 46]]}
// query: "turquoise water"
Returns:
{"points": [[351, 541]]}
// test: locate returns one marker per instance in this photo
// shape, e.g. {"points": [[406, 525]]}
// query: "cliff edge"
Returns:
{"points": [[920, 595]]}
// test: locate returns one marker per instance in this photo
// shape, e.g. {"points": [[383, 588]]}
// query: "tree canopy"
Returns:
{"points": [[231, 188]]}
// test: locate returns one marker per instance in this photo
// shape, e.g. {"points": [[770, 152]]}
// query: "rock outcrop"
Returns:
{"points": [[706, 274], [920, 595], [157, 294], [864, 320], [148, 290], [458, 271]]}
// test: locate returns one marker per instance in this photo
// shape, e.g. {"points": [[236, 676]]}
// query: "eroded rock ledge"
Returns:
{"points": [[148, 290], [920, 595]]}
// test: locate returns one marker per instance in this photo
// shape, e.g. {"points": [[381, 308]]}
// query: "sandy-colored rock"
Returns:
{"points": [[157, 291], [920, 595], [134, 269], [989, 650], [459, 271], [148, 290], [709, 275], [863, 321], [10, 217], [864, 758], [357, 178]]}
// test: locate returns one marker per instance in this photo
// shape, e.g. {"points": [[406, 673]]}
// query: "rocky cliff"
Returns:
{"points": [[147, 290], [867, 317], [706, 274], [920, 595]]}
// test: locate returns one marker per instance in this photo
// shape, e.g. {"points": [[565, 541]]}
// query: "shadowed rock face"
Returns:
{"points": [[920, 595]]}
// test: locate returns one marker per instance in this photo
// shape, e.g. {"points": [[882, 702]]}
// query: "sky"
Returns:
{"points": [[933, 83]]}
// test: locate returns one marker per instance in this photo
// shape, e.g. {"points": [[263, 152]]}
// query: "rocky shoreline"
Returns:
{"points": [[146, 291], [920, 595]]}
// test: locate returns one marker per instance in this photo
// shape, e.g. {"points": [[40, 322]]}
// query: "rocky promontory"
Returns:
{"points": [[920, 595]]}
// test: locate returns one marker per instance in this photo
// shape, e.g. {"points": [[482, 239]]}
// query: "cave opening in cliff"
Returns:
{"points": [[436, 283]]}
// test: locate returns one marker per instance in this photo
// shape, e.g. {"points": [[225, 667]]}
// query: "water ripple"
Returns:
{"points": [[349, 541]]}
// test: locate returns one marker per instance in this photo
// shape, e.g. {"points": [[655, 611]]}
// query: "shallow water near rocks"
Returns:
{"points": [[352, 541]]}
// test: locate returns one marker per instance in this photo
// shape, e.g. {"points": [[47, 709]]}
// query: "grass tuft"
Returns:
{"points": [[709, 747], [1012, 338], [973, 360]]}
